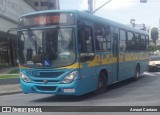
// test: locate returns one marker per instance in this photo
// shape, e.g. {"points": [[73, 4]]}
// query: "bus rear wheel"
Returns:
{"points": [[137, 73], [102, 84]]}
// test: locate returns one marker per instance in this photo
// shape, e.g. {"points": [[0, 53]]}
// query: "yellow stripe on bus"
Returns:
{"points": [[107, 59], [75, 65]]}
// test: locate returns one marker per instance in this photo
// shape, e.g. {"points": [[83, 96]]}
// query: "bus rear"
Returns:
{"points": [[48, 54]]}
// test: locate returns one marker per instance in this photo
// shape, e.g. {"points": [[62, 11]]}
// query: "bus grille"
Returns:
{"points": [[48, 81], [46, 88], [48, 74]]}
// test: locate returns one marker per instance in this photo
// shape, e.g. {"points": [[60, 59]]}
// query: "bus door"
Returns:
{"points": [[87, 55], [115, 52]]}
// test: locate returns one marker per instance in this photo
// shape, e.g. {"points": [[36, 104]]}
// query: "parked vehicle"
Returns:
{"points": [[154, 63]]}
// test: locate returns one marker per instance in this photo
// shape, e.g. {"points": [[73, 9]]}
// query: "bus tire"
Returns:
{"points": [[137, 73], [102, 84]]}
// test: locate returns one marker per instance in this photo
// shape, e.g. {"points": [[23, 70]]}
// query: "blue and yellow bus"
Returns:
{"points": [[74, 53]]}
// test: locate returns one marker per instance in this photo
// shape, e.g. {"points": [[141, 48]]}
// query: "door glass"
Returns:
{"points": [[85, 40]]}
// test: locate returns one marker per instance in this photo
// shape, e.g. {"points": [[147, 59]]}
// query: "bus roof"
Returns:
{"points": [[87, 15], [109, 22], [50, 11]]}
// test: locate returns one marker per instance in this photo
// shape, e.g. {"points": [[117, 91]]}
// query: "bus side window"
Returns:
{"points": [[108, 38], [147, 42], [100, 37], [143, 42], [122, 40], [137, 44], [130, 41], [85, 40]]}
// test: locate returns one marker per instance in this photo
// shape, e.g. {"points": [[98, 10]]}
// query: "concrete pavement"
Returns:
{"points": [[9, 85], [9, 89]]}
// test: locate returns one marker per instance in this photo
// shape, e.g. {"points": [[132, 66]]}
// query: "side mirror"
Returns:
{"points": [[10, 30]]}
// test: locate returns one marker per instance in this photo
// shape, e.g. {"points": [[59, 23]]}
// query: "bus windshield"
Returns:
{"points": [[54, 47]]}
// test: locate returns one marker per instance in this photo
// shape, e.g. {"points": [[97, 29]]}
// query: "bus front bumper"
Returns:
{"points": [[58, 89]]}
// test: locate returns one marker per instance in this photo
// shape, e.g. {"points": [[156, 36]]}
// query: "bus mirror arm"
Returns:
{"points": [[10, 30]]}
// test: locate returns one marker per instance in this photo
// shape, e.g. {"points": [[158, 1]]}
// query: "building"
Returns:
{"points": [[10, 10], [159, 29], [44, 4]]}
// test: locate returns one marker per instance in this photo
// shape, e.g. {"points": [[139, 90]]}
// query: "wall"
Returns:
{"points": [[10, 11]]}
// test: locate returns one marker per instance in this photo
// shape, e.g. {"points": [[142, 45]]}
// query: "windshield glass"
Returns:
{"points": [[155, 58], [53, 47]]}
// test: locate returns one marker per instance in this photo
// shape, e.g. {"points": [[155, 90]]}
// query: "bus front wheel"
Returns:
{"points": [[102, 84]]}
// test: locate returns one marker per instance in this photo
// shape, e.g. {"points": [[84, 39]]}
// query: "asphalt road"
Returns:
{"points": [[144, 92]]}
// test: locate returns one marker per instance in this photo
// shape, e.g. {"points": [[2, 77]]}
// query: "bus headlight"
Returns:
{"points": [[70, 78], [24, 78]]}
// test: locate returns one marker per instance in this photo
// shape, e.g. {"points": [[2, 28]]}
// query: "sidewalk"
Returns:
{"points": [[7, 86], [10, 89]]}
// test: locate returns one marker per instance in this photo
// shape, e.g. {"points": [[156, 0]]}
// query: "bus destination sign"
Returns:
{"points": [[47, 19]]}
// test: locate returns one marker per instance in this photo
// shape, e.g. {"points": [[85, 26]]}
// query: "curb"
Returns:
{"points": [[10, 93], [9, 74]]}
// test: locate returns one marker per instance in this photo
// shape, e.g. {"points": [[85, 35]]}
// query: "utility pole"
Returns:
{"points": [[132, 22], [90, 5], [101, 6], [143, 1]]}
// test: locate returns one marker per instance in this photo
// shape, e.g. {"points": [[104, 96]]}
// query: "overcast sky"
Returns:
{"points": [[121, 10]]}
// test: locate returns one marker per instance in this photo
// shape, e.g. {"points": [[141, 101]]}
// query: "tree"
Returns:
{"points": [[154, 34]]}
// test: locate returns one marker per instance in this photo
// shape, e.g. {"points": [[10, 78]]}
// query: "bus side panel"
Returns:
{"points": [[128, 67], [125, 70], [88, 78], [144, 63]]}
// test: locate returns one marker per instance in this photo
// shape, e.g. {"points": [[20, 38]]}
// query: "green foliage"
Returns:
{"points": [[8, 76], [16, 71], [154, 48], [154, 34]]}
